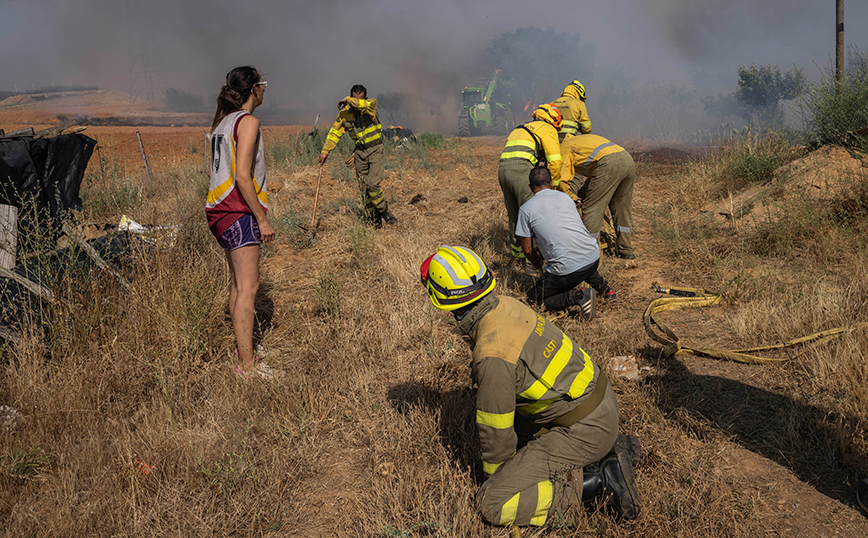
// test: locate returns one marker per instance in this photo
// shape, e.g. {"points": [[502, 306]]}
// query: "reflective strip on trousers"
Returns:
{"points": [[509, 510]]}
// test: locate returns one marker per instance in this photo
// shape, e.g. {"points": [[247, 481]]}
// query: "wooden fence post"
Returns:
{"points": [[8, 235], [144, 155]]}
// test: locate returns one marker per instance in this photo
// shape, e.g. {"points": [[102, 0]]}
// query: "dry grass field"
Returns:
{"points": [[370, 431]]}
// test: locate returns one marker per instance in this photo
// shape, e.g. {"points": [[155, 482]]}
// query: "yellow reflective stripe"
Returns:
{"points": [[334, 135], [519, 155], [580, 383], [536, 407], [489, 468], [553, 157], [543, 503], [220, 192], [509, 510], [500, 421], [371, 129], [554, 368], [527, 143], [585, 124], [372, 137], [569, 124]]}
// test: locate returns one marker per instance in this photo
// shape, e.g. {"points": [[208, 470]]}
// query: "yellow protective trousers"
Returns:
{"points": [[370, 166], [532, 487], [611, 185], [513, 176]]}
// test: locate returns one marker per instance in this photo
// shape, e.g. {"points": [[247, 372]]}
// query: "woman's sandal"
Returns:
{"points": [[256, 358], [260, 371]]}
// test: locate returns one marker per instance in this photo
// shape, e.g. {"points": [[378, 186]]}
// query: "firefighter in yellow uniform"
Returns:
{"points": [[611, 175], [528, 144], [358, 117], [544, 409], [571, 103]]}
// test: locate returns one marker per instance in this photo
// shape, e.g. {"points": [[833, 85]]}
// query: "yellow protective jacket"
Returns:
{"points": [[521, 363], [360, 119], [522, 145], [574, 112], [581, 155]]}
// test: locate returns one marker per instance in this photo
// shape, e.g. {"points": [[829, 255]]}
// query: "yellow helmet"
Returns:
{"points": [[579, 88], [456, 277], [550, 113]]}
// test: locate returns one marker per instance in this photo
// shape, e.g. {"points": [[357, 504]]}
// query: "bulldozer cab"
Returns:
{"points": [[481, 114], [471, 97]]}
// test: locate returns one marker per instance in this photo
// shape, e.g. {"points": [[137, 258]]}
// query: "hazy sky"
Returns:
{"points": [[311, 52]]}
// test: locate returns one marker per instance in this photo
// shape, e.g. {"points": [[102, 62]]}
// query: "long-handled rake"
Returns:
{"points": [[313, 222]]}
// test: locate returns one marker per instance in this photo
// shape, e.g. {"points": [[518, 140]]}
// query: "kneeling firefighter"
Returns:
{"points": [[546, 414], [534, 143]]}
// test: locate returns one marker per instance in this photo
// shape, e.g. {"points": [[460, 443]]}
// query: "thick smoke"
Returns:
{"points": [[312, 52]]}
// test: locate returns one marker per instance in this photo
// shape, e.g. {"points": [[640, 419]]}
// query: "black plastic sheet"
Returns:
{"points": [[44, 172]]}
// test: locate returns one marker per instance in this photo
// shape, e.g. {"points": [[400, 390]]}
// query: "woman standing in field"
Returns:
{"points": [[237, 203]]}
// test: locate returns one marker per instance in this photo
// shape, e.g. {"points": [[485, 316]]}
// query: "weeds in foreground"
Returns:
{"points": [[234, 469], [27, 462], [362, 243], [329, 283]]}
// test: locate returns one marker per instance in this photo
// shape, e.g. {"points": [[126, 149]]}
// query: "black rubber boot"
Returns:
{"points": [[388, 217], [862, 494], [631, 445], [375, 219], [611, 480]]}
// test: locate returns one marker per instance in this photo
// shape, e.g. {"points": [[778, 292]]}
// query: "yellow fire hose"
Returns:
{"points": [[696, 298]]}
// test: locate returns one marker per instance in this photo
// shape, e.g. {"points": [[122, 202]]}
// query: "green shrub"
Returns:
{"points": [[299, 149], [753, 166], [431, 140], [831, 111]]}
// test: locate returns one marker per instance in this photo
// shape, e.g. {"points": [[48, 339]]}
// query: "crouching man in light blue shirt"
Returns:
{"points": [[568, 255]]}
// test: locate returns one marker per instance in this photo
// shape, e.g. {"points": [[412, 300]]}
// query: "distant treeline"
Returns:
{"points": [[64, 88]]}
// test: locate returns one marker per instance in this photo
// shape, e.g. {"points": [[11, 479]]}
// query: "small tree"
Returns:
{"points": [[762, 88], [538, 63], [723, 106], [181, 101]]}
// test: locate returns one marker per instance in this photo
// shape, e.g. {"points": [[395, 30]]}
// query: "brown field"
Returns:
{"points": [[370, 430]]}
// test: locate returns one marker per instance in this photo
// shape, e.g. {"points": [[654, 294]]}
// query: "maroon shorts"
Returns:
{"points": [[242, 232]]}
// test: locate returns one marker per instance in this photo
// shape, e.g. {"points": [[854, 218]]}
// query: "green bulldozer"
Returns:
{"points": [[481, 114]]}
